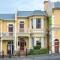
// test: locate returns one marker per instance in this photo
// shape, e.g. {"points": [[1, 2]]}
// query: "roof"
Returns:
{"points": [[57, 5], [24, 13], [39, 13], [7, 16], [30, 13]]}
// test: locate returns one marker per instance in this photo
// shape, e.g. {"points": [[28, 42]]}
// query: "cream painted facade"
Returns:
{"points": [[28, 34]]}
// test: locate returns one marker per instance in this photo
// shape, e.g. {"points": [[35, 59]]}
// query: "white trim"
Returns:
{"points": [[1, 38], [42, 23], [42, 42], [34, 41], [34, 23], [30, 43]]}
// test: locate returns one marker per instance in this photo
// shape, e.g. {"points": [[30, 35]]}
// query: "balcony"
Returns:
{"points": [[23, 32], [7, 36]]}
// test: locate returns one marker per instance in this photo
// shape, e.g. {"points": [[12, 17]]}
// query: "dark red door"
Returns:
{"points": [[22, 44], [56, 46]]}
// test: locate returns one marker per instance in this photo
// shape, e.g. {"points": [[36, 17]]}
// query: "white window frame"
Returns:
{"points": [[19, 24], [40, 22]]}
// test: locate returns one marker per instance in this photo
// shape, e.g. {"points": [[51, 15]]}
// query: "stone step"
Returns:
{"points": [[22, 53]]}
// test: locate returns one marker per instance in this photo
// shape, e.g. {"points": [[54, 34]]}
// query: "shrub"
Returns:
{"points": [[38, 51], [43, 51], [37, 47]]}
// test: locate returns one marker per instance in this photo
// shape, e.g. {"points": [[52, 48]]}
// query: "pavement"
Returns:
{"points": [[34, 57]]}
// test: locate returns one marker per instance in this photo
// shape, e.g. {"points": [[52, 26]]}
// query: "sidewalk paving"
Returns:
{"points": [[34, 57]]}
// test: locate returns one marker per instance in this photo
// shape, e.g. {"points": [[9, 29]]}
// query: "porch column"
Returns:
{"points": [[42, 42], [30, 43], [34, 41]]}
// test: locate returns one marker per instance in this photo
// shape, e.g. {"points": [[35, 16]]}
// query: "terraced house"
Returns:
{"points": [[26, 29]]}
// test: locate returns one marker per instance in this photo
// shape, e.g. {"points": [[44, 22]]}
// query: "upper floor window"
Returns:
{"points": [[21, 26], [38, 23], [10, 28]]}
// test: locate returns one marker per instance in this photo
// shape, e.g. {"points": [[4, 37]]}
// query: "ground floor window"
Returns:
{"points": [[41, 41], [38, 43]]}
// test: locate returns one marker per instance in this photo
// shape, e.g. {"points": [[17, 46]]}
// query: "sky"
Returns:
{"points": [[11, 6]]}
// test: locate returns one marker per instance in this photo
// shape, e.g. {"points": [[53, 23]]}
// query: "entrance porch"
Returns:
{"points": [[24, 45]]}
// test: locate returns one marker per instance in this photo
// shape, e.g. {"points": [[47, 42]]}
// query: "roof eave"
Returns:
{"points": [[56, 8], [29, 16]]}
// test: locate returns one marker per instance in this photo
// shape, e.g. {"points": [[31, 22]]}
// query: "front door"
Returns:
{"points": [[22, 44], [56, 46]]}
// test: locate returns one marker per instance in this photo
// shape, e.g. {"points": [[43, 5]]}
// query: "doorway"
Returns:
{"points": [[10, 48], [56, 44], [22, 44]]}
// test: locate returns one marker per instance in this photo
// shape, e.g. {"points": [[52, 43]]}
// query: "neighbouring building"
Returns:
{"points": [[53, 15], [26, 29]]}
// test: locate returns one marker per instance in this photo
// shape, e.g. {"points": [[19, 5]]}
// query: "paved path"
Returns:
{"points": [[41, 57]]}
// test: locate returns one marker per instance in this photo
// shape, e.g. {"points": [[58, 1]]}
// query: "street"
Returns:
{"points": [[41, 57]]}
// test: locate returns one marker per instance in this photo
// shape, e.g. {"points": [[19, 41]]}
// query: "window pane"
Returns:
{"points": [[10, 29], [21, 24], [38, 43], [38, 23]]}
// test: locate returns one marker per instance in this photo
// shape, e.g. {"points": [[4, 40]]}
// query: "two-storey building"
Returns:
{"points": [[23, 31]]}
